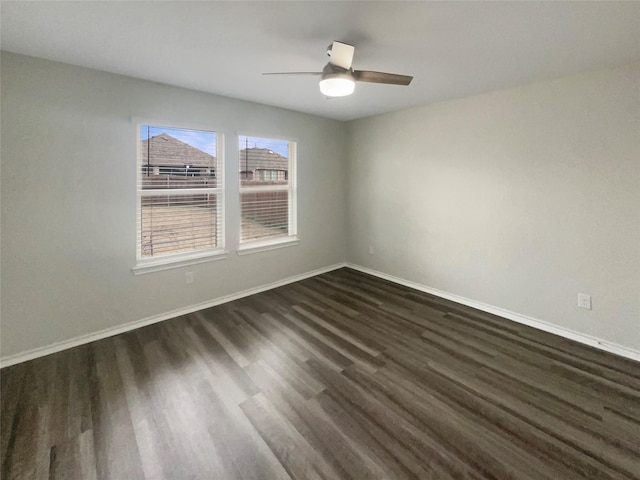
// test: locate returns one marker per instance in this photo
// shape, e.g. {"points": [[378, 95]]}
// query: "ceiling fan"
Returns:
{"points": [[338, 79]]}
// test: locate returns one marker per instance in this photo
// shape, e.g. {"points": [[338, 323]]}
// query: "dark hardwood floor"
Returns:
{"points": [[339, 376]]}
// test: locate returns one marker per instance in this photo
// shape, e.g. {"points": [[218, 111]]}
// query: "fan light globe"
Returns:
{"points": [[337, 85]]}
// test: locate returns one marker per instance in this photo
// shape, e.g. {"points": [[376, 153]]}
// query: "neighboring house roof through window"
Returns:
{"points": [[166, 150], [252, 159]]}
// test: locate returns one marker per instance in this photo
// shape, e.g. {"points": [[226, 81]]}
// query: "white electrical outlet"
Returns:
{"points": [[584, 301], [188, 278]]}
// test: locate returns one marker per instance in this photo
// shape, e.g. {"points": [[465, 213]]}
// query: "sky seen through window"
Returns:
{"points": [[206, 142]]}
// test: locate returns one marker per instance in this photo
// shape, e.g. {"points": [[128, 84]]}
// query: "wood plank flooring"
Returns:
{"points": [[341, 376]]}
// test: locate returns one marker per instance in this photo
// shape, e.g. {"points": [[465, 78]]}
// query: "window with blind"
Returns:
{"points": [[267, 191], [180, 195]]}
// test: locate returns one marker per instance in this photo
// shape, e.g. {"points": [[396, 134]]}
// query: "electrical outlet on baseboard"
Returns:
{"points": [[584, 301]]}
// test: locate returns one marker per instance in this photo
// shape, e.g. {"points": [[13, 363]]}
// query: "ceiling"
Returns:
{"points": [[453, 49]]}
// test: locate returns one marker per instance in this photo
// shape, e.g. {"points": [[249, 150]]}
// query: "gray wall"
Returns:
{"points": [[518, 199], [69, 203]]}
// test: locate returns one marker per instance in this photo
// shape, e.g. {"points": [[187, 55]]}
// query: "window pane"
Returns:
{"points": [[177, 158], [187, 216], [178, 223], [267, 188], [263, 161], [265, 215]]}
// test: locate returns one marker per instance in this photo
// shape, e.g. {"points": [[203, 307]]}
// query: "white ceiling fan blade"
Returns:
{"points": [[342, 55]]}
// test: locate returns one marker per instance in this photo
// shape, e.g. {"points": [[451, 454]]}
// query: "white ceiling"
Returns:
{"points": [[453, 49]]}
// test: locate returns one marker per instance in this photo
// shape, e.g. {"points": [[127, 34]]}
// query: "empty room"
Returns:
{"points": [[320, 240]]}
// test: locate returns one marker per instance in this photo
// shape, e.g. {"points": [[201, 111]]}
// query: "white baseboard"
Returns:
{"points": [[109, 332], [516, 317]]}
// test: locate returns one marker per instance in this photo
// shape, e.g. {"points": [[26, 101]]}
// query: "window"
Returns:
{"points": [[267, 192], [180, 195]]}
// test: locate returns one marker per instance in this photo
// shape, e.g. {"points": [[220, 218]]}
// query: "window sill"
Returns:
{"points": [[264, 246], [176, 262]]}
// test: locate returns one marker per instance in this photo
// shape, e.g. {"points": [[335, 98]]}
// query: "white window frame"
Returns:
{"points": [[175, 260], [255, 246]]}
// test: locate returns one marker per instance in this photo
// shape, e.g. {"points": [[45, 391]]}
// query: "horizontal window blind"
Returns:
{"points": [[166, 181], [179, 192], [264, 215], [178, 223], [267, 189]]}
